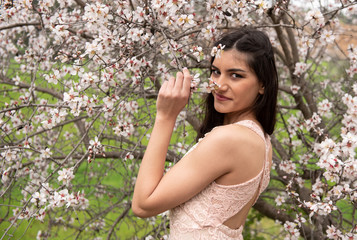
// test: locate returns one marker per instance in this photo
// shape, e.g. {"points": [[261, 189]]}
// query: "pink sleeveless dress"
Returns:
{"points": [[202, 216]]}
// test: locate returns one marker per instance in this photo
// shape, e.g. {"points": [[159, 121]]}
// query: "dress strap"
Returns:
{"points": [[254, 127]]}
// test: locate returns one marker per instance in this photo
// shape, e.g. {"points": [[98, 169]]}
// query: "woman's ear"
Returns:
{"points": [[261, 89]]}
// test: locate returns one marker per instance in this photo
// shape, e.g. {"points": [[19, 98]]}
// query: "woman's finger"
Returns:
{"points": [[186, 80], [171, 83], [163, 86], [179, 80]]}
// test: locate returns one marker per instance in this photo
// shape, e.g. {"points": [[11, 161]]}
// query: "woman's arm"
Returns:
{"points": [[224, 151], [172, 98]]}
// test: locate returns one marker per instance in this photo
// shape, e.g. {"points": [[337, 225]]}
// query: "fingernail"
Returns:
{"points": [[185, 68]]}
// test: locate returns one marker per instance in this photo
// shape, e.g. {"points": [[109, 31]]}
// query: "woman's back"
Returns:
{"points": [[208, 214]]}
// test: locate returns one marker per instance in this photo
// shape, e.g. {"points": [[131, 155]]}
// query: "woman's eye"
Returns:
{"points": [[215, 71], [236, 75]]}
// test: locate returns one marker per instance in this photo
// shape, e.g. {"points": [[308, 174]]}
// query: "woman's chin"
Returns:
{"points": [[220, 109]]}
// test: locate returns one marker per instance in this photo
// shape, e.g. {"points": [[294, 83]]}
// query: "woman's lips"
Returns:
{"points": [[220, 97]]}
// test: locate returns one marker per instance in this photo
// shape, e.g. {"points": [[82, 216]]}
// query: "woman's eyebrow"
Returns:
{"points": [[236, 70], [231, 69]]}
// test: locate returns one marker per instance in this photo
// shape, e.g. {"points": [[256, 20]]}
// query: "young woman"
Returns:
{"points": [[211, 189]]}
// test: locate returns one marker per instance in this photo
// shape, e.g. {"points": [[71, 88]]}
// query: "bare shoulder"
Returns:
{"points": [[241, 149], [234, 135]]}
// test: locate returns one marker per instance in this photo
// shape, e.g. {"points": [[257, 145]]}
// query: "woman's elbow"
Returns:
{"points": [[140, 212]]}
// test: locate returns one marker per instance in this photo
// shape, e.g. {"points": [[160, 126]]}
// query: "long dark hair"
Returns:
{"points": [[256, 45]]}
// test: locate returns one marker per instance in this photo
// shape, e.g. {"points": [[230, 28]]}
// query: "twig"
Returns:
{"points": [[125, 212], [20, 25]]}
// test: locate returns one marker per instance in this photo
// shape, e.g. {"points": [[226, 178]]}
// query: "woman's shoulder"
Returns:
{"points": [[236, 146], [233, 134]]}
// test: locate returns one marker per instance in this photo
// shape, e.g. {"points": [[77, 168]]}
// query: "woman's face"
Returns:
{"points": [[238, 85]]}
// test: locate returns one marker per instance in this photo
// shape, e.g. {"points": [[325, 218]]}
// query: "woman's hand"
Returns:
{"points": [[174, 95]]}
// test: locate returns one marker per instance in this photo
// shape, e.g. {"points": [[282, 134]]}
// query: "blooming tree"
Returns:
{"points": [[79, 81]]}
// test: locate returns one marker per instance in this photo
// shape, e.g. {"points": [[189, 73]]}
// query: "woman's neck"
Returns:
{"points": [[230, 118]]}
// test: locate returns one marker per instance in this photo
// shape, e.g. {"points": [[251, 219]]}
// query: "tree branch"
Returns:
{"points": [[80, 3], [270, 211], [20, 25], [124, 213], [40, 89]]}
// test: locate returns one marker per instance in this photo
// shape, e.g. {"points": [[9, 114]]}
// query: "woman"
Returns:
{"points": [[211, 189]]}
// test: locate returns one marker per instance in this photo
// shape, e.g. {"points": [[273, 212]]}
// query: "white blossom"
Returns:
{"points": [[39, 198], [291, 228], [279, 200], [287, 166], [46, 153], [294, 89], [217, 51], [65, 175], [324, 108], [300, 68], [315, 18], [327, 36]]}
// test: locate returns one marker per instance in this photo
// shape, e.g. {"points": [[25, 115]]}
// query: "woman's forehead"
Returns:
{"points": [[231, 59]]}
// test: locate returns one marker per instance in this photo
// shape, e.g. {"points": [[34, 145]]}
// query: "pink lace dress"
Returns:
{"points": [[202, 217]]}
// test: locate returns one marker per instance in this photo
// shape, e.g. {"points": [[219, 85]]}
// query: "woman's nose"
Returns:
{"points": [[220, 83], [215, 85]]}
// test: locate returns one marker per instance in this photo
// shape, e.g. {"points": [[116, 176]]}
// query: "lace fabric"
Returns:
{"points": [[202, 216]]}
